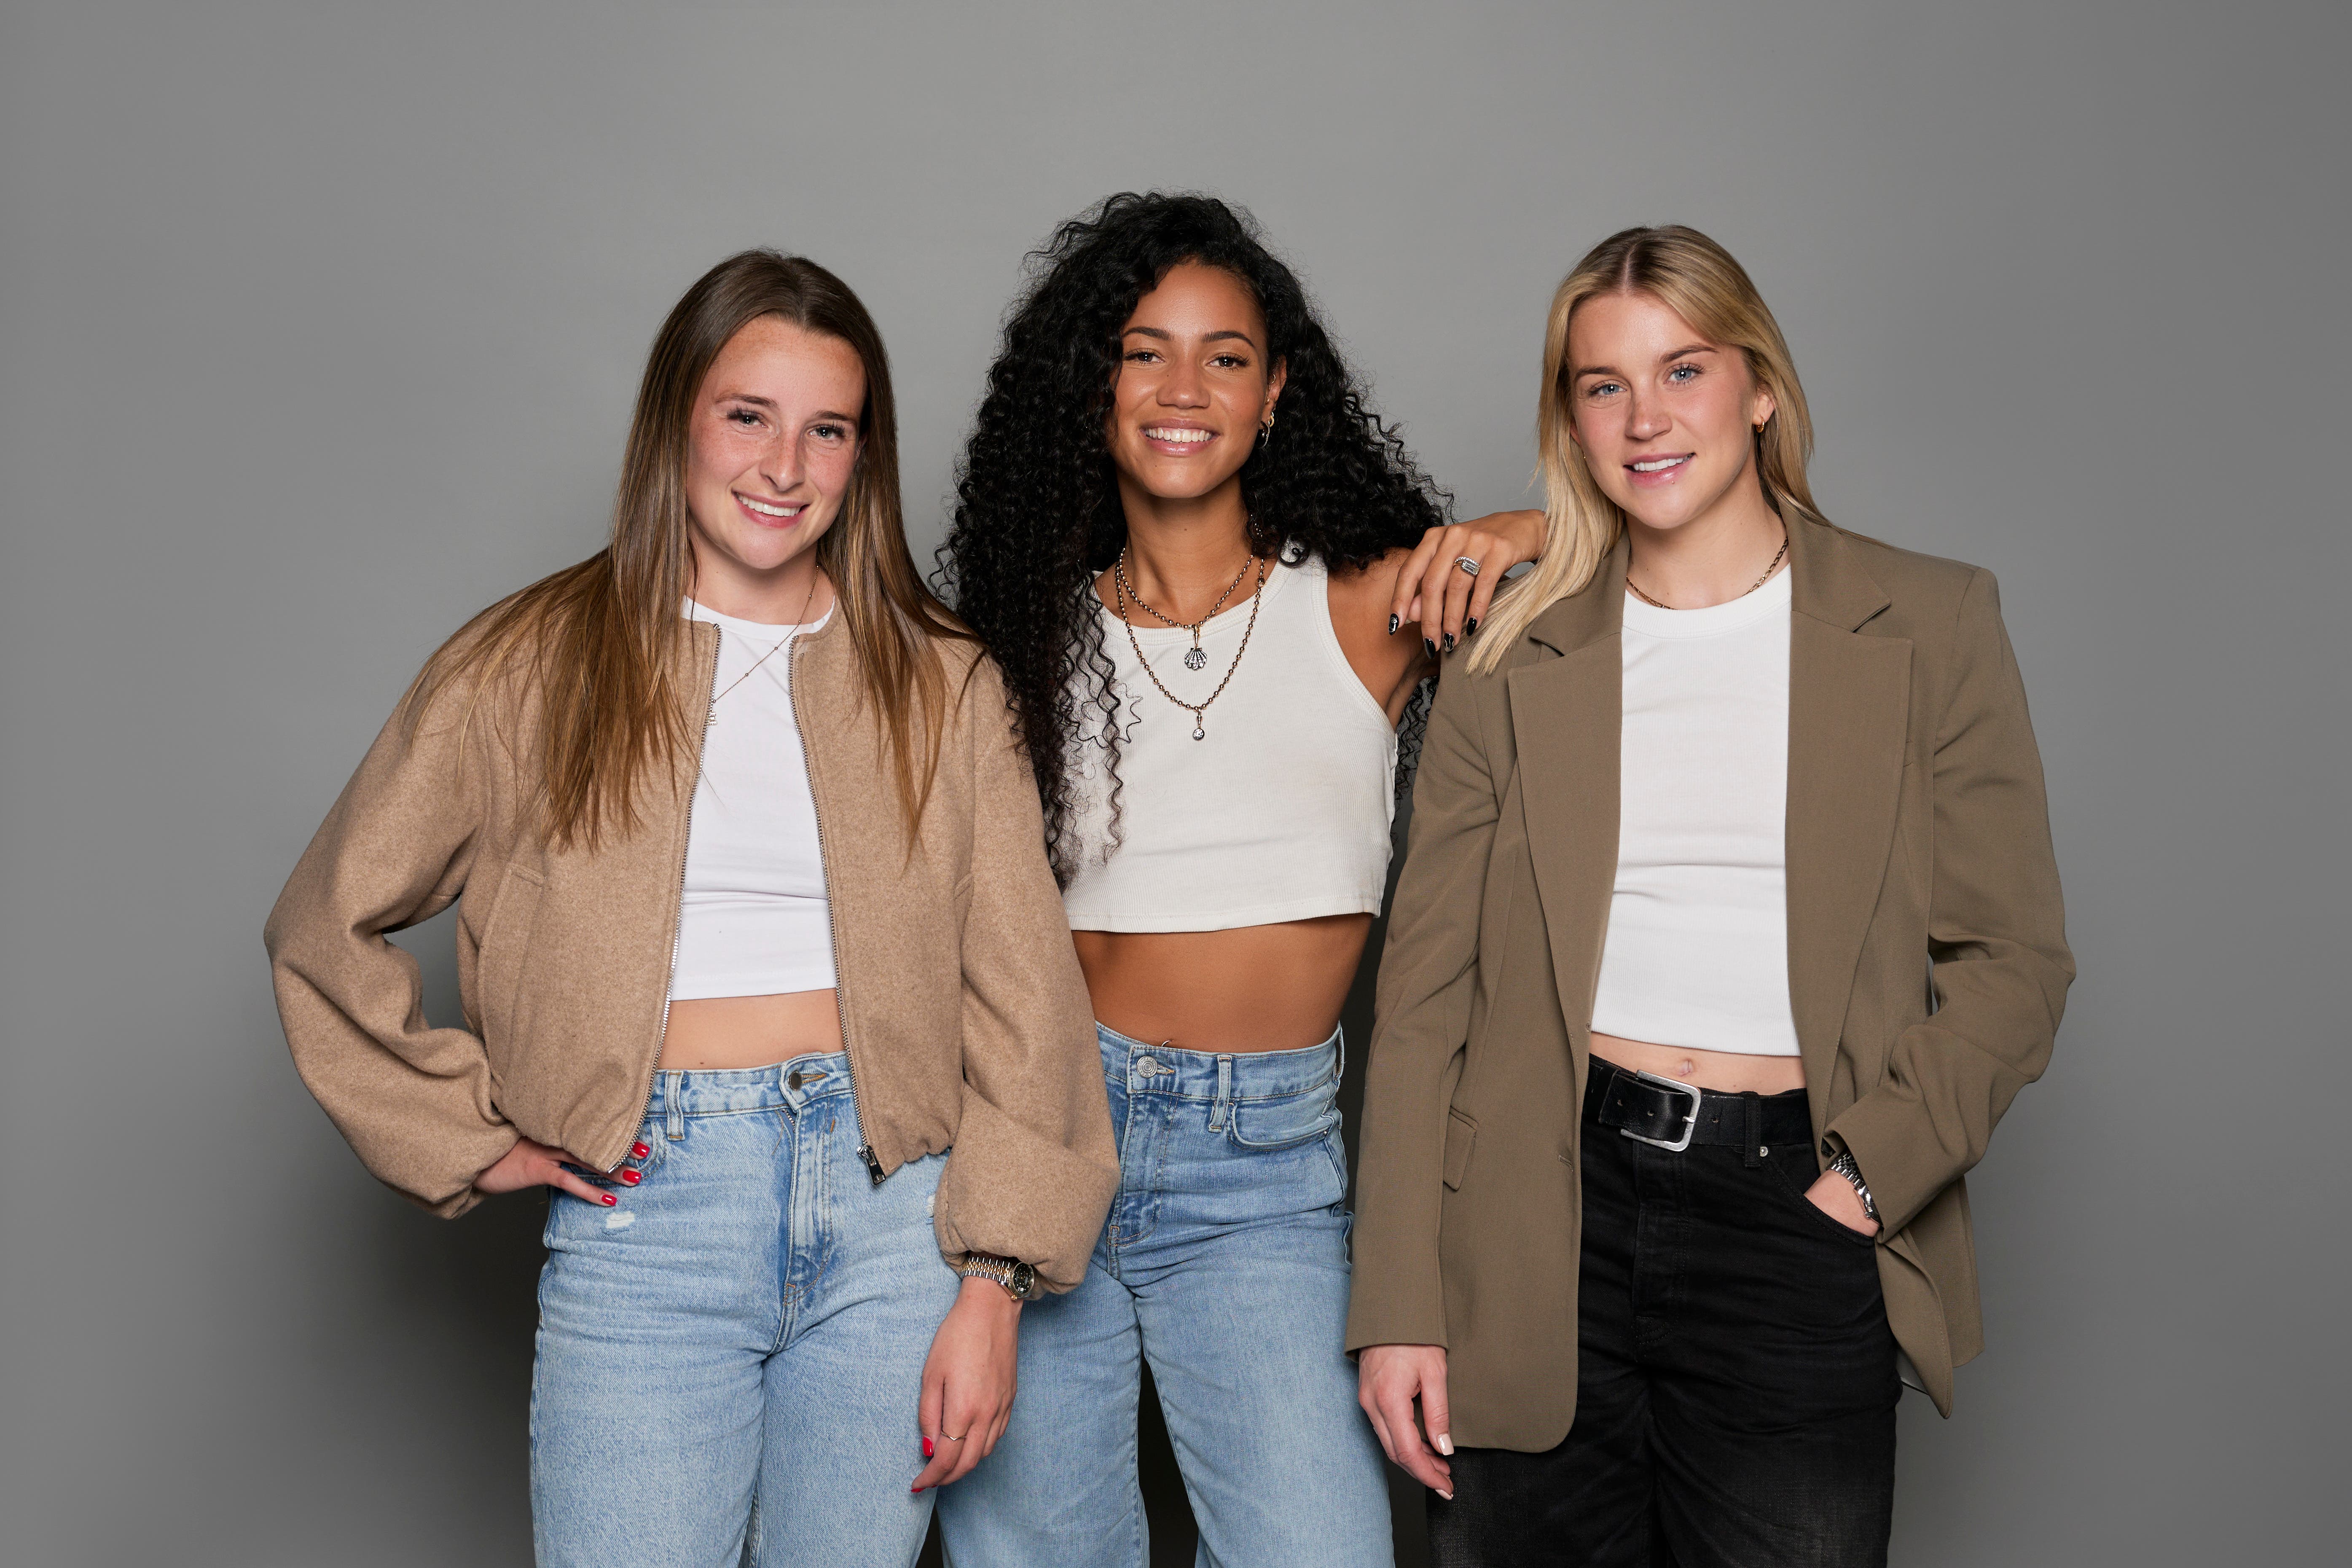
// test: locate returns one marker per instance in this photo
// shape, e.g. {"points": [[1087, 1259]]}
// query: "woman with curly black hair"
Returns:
{"points": [[1192, 549]]}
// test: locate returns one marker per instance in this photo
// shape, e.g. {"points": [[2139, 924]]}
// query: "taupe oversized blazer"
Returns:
{"points": [[1928, 964]]}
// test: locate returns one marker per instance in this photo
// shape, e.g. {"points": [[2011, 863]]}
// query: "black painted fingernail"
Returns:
{"points": [[1394, 621], [1430, 645], [1449, 642], [1469, 625]]}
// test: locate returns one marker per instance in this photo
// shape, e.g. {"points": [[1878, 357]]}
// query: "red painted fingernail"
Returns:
{"points": [[640, 1150], [631, 1178], [927, 1448], [914, 1489], [607, 1199]]}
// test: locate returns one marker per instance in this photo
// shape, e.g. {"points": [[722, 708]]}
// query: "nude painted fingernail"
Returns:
{"points": [[1445, 1444], [1447, 1496], [607, 1199]]}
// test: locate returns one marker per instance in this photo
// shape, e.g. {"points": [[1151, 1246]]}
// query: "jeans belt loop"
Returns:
{"points": [[1221, 1108], [1751, 1151], [674, 1097]]}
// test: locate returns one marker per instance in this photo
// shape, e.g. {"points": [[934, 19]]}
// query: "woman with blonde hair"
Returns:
{"points": [[1729, 927], [755, 924]]}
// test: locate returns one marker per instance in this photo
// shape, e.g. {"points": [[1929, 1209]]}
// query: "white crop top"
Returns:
{"points": [[1280, 812], [754, 920], [1697, 950]]}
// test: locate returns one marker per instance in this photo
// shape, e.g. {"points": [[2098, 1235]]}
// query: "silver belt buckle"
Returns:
{"points": [[1690, 1122]]}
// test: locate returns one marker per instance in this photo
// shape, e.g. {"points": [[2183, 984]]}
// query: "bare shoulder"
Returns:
{"points": [[1369, 586]]}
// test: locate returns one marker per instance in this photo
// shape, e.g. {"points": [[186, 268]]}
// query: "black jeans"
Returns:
{"points": [[1735, 1377]]}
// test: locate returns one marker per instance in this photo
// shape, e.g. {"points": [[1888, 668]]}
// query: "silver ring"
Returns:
{"points": [[1467, 564]]}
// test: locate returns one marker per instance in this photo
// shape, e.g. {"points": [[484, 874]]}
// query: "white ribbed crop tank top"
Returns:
{"points": [[1280, 812]]}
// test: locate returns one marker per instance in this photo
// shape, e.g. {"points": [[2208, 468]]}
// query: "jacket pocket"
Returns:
{"points": [[1461, 1132], [506, 944], [1284, 1118]]}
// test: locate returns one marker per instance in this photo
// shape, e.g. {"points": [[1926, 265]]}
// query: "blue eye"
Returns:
{"points": [[1603, 389], [1682, 373]]}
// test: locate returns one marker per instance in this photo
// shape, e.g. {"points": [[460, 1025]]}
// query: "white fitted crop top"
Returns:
{"points": [[754, 920], [1280, 812], [1697, 950]]}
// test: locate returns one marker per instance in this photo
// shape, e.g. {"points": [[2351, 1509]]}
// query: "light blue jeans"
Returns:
{"points": [[749, 1322], [1225, 1265]]}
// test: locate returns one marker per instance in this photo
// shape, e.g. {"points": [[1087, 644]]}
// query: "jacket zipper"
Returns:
{"points": [[874, 1171], [677, 912]]}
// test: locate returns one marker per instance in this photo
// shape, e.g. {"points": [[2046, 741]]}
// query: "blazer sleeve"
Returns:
{"points": [[1428, 972], [1997, 940], [414, 1101], [1033, 1168]]}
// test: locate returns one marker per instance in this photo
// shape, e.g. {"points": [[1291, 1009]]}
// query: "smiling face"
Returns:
{"points": [[1666, 418], [770, 454], [1194, 384]]}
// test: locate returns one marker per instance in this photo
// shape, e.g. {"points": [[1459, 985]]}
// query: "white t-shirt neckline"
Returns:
{"points": [[1715, 620]]}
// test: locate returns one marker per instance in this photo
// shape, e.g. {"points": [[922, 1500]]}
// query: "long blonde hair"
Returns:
{"points": [[1699, 281], [597, 642]]}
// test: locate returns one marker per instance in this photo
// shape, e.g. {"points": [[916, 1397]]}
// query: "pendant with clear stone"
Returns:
{"points": [[1195, 659], [1198, 733]]}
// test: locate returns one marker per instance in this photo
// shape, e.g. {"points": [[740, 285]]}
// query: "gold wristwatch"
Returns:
{"points": [[1019, 1280]]}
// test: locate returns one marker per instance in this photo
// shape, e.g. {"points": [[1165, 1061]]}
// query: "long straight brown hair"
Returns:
{"points": [[598, 644]]}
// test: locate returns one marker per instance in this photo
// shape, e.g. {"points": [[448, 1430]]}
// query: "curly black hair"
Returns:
{"points": [[1037, 515]]}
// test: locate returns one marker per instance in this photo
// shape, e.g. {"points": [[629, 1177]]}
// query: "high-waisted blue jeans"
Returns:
{"points": [[751, 1321], [1226, 1266]]}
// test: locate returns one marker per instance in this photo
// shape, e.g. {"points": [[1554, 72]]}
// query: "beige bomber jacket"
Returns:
{"points": [[962, 1008]]}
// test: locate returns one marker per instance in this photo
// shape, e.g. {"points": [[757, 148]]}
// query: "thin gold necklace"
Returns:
{"points": [[1777, 556], [1199, 711], [1195, 657], [806, 600]]}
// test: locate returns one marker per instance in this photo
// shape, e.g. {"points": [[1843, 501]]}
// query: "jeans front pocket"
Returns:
{"points": [[1790, 1178], [1277, 1121]]}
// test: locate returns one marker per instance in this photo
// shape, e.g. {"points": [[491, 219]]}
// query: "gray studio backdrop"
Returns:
{"points": [[319, 326]]}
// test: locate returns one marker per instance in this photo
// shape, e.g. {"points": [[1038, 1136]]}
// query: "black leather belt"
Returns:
{"points": [[1674, 1116]]}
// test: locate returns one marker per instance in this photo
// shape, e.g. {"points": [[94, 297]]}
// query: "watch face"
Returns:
{"points": [[1024, 1281]]}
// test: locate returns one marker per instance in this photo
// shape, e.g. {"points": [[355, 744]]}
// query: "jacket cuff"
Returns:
{"points": [[1391, 1306], [1013, 1192], [1894, 1145]]}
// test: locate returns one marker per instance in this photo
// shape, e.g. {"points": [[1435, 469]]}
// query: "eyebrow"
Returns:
{"points": [[1166, 337], [1585, 370], [769, 403]]}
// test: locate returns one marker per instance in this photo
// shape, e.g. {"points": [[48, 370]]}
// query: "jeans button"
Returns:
{"points": [[793, 1081], [1145, 1067]]}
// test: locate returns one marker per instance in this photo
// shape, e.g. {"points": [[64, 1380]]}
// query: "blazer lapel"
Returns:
{"points": [[1849, 711], [1566, 716]]}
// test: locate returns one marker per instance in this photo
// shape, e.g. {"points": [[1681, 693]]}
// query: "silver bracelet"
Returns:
{"points": [[1845, 1166]]}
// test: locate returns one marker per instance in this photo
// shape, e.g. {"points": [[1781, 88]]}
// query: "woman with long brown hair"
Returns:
{"points": [[755, 925], [1728, 930]]}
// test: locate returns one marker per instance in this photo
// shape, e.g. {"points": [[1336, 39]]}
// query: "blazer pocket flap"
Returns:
{"points": [[1460, 1134]]}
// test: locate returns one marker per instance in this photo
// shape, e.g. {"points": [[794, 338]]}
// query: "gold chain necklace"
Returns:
{"points": [[1195, 657], [1777, 557], [1199, 711], [806, 599]]}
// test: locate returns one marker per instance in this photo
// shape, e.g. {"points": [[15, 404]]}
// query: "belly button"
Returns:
{"points": [[1687, 1068]]}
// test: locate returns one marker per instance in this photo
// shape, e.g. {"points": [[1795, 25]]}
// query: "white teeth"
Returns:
{"points": [[1181, 436], [1659, 466], [764, 509]]}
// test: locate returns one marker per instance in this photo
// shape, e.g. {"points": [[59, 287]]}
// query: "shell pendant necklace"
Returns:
{"points": [[1122, 590], [1195, 657]]}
